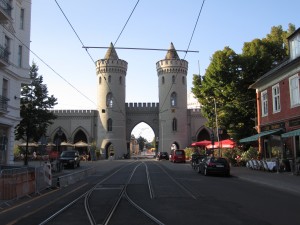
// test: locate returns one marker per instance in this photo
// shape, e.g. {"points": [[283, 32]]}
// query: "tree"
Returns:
{"points": [[34, 110], [225, 85], [141, 141]]}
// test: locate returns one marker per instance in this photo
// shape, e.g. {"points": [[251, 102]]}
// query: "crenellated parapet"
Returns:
{"points": [[74, 112], [111, 66], [195, 112], [142, 106], [166, 66]]}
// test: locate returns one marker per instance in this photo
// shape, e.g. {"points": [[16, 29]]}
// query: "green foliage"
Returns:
{"points": [[251, 153], [276, 151], [141, 141], [34, 108], [17, 151], [231, 154], [228, 77], [188, 152]]}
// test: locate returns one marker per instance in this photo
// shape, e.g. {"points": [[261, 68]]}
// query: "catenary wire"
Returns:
{"points": [[74, 30], [126, 22], [53, 69], [89, 53], [192, 35]]}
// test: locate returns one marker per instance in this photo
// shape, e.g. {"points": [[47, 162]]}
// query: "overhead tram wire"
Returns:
{"points": [[89, 53], [143, 49], [186, 50], [74, 31], [126, 22], [53, 69]]}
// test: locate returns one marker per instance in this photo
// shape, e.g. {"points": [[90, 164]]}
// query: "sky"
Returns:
{"points": [[69, 71]]}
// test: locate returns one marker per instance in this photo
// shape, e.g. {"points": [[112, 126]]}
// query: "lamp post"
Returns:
{"points": [[220, 132], [162, 135], [212, 137], [58, 140], [217, 126]]}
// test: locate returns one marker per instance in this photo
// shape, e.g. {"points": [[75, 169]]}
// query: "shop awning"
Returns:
{"points": [[261, 134], [291, 133]]}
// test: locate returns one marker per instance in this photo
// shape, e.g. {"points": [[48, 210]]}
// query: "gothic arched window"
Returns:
{"points": [[109, 100], [174, 124], [109, 124], [173, 99]]}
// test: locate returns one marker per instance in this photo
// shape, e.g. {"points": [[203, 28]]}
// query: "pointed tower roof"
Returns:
{"points": [[111, 53], [172, 53]]}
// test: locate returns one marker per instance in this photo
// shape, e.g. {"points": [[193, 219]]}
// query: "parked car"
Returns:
{"points": [[70, 158], [177, 155], [214, 165], [162, 155]]}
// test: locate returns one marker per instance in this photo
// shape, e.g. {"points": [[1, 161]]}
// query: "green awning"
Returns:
{"points": [[291, 133], [261, 134], [249, 139]]}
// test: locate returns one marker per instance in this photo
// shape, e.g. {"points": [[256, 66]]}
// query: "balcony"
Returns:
{"points": [[3, 57], [3, 104], [5, 11]]}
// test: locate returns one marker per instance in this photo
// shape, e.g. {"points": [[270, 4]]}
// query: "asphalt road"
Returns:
{"points": [[170, 193]]}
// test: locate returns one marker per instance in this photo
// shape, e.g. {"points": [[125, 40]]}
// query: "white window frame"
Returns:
{"points": [[294, 91], [295, 47], [276, 98], [264, 103]]}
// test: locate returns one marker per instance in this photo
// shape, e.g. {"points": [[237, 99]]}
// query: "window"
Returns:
{"points": [[109, 100], [163, 80], [5, 88], [7, 44], [264, 103], [20, 52], [174, 124], [22, 19], [294, 90], [183, 80], [109, 79], [109, 124], [120, 80], [276, 98], [100, 80], [173, 99], [173, 79], [295, 47]]}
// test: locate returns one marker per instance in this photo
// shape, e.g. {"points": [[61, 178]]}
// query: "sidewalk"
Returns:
{"points": [[285, 181]]}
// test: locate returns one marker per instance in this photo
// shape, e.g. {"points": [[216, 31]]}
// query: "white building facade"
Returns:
{"points": [[15, 20]]}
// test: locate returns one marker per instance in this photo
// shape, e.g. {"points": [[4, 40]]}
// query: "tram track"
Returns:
{"points": [[133, 193], [120, 194]]}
